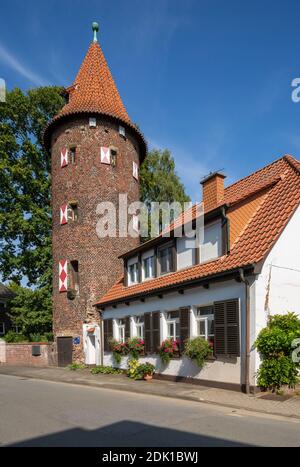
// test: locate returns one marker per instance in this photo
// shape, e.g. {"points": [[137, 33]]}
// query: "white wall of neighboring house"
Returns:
{"points": [[185, 253], [221, 370], [277, 288]]}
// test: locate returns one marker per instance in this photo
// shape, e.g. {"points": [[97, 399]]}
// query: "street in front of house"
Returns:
{"points": [[42, 413]]}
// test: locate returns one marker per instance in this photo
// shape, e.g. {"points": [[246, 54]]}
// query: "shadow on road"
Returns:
{"points": [[126, 434]]}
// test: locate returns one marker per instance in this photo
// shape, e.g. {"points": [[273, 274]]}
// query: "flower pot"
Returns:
{"points": [[148, 377]]}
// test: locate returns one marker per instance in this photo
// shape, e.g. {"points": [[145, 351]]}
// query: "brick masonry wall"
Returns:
{"points": [[213, 192], [21, 354], [89, 182]]}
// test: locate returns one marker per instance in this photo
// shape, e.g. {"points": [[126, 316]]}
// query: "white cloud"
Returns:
{"points": [[10, 60]]}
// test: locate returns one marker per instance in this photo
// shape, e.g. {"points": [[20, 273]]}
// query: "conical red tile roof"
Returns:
{"points": [[94, 89], [95, 92]]}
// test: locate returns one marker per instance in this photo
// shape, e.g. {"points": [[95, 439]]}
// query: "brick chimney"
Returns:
{"points": [[213, 190]]}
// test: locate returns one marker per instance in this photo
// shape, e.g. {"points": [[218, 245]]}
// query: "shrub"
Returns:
{"points": [[12, 336], [136, 347], [132, 371], [106, 370], [275, 372], [77, 366], [169, 349], [197, 349], [274, 343]]}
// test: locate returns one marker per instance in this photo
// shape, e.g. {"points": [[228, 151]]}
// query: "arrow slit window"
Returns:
{"points": [[74, 276], [72, 211], [73, 155]]}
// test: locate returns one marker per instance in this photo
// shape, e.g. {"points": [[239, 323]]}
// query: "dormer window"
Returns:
{"points": [[212, 245], [148, 267], [133, 271], [165, 258]]}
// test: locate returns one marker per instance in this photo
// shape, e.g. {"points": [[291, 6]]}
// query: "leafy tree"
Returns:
{"points": [[31, 311], [25, 212], [160, 182], [25, 204]]}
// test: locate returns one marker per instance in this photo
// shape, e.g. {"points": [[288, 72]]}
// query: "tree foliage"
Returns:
{"points": [[31, 311], [160, 183], [159, 180], [25, 209]]}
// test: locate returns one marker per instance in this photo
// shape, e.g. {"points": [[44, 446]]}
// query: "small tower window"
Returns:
{"points": [[113, 157], [74, 276], [92, 122], [73, 155], [73, 211], [122, 131]]}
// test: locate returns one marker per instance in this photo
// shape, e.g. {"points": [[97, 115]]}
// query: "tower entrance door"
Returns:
{"points": [[64, 350]]}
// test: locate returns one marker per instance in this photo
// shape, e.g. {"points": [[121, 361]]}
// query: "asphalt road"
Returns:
{"points": [[41, 413]]}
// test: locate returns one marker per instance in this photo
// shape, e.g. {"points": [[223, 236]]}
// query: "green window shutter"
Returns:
{"points": [[155, 331], [227, 335], [152, 332], [147, 332], [184, 325], [233, 331], [108, 333]]}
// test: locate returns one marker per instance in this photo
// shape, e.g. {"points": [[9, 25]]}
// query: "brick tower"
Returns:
{"points": [[96, 151]]}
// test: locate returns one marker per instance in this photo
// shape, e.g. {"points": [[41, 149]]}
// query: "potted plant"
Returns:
{"points": [[169, 349], [145, 371], [136, 347]]}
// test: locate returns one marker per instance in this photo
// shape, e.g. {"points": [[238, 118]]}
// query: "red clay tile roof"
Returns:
{"points": [[94, 91], [281, 181]]}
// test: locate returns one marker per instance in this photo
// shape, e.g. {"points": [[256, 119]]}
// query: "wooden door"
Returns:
{"points": [[64, 350]]}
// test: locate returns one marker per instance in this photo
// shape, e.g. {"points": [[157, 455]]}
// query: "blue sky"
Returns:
{"points": [[208, 79]]}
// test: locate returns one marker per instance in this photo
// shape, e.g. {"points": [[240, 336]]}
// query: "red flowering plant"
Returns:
{"points": [[118, 349], [136, 347], [169, 349]]}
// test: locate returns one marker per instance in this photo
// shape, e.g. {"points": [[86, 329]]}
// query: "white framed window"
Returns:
{"points": [[205, 322], [120, 326], [148, 267], [2, 329], [133, 270], [16, 329], [212, 243], [139, 326], [173, 325]]}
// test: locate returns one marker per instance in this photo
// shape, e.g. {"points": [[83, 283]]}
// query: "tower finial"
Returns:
{"points": [[95, 27]]}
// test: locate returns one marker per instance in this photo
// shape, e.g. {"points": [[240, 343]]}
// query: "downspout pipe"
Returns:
{"points": [[246, 383]]}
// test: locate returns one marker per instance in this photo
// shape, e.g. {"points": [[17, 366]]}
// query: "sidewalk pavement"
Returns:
{"points": [[287, 406]]}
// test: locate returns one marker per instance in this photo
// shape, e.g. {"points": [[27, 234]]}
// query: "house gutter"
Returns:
{"points": [[246, 363]]}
